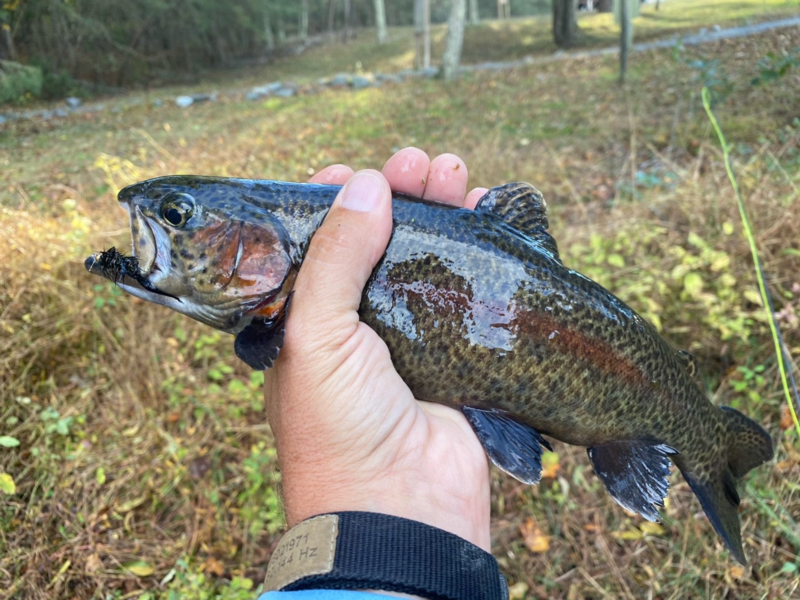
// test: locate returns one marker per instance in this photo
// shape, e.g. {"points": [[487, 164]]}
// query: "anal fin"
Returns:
{"points": [[634, 473], [513, 447], [260, 342]]}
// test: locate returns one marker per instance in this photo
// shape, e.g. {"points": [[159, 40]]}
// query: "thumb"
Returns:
{"points": [[340, 259]]}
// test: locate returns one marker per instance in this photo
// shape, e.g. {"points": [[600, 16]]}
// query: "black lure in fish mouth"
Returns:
{"points": [[115, 266]]}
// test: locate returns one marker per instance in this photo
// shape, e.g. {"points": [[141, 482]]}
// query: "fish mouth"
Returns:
{"points": [[124, 271]]}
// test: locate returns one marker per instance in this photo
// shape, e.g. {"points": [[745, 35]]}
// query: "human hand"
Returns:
{"points": [[349, 433]]}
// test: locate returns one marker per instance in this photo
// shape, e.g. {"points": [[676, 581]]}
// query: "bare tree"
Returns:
{"points": [[331, 16], [604, 5], [474, 16], [422, 34], [346, 20], [303, 19], [504, 9], [380, 21], [268, 37], [625, 11], [564, 23], [455, 39]]}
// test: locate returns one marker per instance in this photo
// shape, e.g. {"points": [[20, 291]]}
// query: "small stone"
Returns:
{"points": [[717, 28], [430, 72], [2, 119], [340, 80], [285, 92], [157, 103], [360, 82], [204, 97], [60, 112], [73, 102], [704, 31], [184, 101]]}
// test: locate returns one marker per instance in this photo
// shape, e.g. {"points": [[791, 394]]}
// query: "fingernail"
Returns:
{"points": [[362, 193]]}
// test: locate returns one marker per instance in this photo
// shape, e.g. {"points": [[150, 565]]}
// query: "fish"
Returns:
{"points": [[478, 312]]}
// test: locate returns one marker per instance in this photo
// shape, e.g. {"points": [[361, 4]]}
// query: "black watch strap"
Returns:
{"points": [[361, 551]]}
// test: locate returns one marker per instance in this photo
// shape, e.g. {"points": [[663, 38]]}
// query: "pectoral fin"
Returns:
{"points": [[259, 343], [635, 473], [513, 447]]}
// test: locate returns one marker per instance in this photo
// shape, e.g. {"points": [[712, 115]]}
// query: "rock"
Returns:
{"points": [[260, 91], [704, 31], [323, 81], [285, 92], [430, 72], [2, 119], [157, 103], [359, 82], [340, 80], [717, 28], [73, 102], [390, 79], [204, 97], [184, 101], [60, 112]]}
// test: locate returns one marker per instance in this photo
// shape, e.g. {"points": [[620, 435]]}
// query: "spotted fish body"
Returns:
{"points": [[478, 312]]}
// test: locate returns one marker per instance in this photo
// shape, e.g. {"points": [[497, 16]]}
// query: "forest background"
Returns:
{"points": [[135, 458]]}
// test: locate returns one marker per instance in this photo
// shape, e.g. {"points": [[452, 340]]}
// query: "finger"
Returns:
{"points": [[407, 171], [340, 259], [471, 201], [333, 175], [447, 180]]}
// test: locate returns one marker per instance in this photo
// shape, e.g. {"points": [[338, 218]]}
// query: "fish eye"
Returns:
{"points": [[177, 208]]}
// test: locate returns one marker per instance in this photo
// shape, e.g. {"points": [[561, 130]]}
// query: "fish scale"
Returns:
{"points": [[478, 312]]}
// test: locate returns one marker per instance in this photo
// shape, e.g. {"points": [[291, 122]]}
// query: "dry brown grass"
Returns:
{"points": [[139, 446]]}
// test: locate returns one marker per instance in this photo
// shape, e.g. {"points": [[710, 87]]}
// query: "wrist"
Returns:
{"points": [[466, 517]]}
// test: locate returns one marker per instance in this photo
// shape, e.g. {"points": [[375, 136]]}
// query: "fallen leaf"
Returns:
{"points": [[139, 568], [629, 534], [649, 528], [736, 571], [7, 485], [518, 590], [8, 442], [535, 539], [213, 566], [550, 465], [93, 563], [130, 504], [786, 418]]}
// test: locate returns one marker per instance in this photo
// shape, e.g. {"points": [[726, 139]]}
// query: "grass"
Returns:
{"points": [[144, 467]]}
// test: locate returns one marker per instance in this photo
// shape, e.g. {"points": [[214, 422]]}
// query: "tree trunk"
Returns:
{"points": [[331, 16], [455, 39], [604, 6], [564, 23], [346, 20], [12, 51], [268, 37], [304, 20], [419, 17], [504, 9], [380, 22], [626, 36], [474, 17], [426, 34]]}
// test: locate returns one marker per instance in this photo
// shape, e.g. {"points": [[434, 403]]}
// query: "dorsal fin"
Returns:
{"points": [[689, 360], [523, 207]]}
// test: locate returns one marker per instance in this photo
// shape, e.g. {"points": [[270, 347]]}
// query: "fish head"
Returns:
{"points": [[201, 252]]}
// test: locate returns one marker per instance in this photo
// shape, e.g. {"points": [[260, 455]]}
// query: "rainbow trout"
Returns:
{"points": [[478, 312]]}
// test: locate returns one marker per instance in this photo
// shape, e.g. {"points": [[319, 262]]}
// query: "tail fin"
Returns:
{"points": [[748, 445]]}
